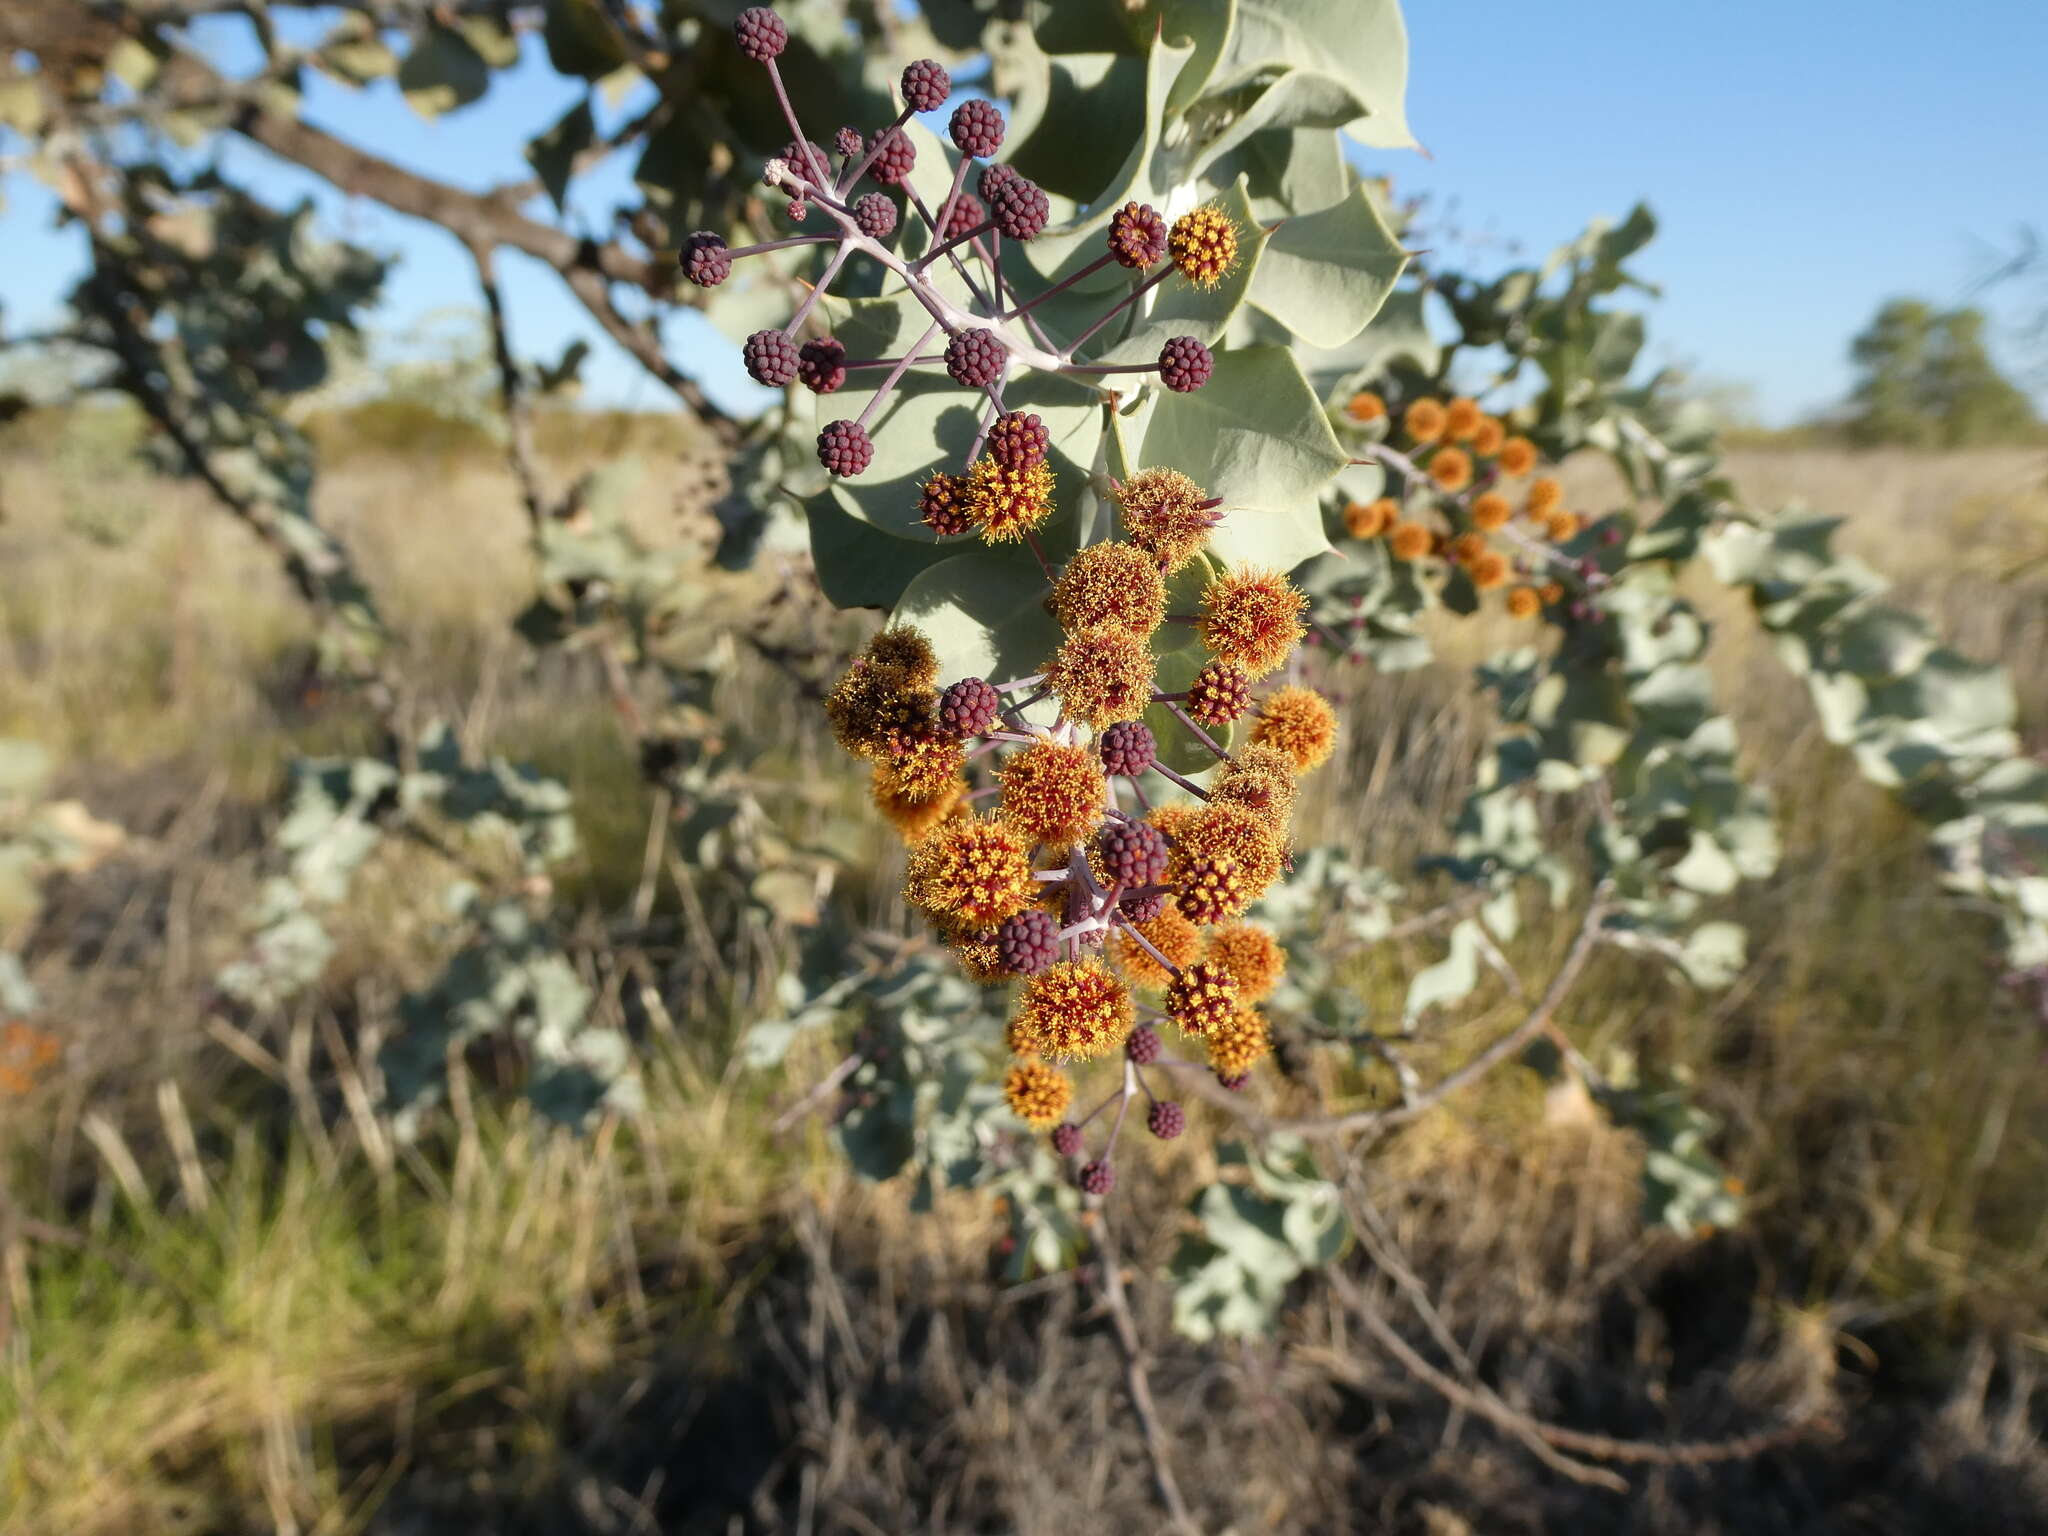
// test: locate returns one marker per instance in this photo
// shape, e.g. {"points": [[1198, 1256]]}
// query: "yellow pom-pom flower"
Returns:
{"points": [[1053, 792], [1074, 1010], [971, 872], [1451, 469], [1240, 1043], [1408, 541], [1203, 245], [1467, 547], [1366, 407], [1226, 833], [1037, 1094], [1517, 457], [1301, 723], [1545, 497], [1004, 503], [1251, 956], [1488, 437], [1110, 583], [1102, 675], [1524, 603], [1490, 570], [1561, 525], [1491, 511], [905, 646], [1166, 515], [1370, 519], [1424, 420], [876, 709], [1171, 934], [913, 819], [926, 763], [1461, 419], [1209, 890], [1267, 794], [1252, 619]]}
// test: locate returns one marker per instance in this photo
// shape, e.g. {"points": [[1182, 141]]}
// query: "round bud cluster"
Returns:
{"points": [[760, 33], [1166, 1119], [976, 128], [1018, 440], [942, 503], [1144, 1046], [1029, 942], [1143, 907], [1131, 853], [771, 358], [821, 364], [992, 180], [926, 85], [895, 160], [1185, 365], [1097, 1178], [976, 358], [1218, 694], [1137, 236], [966, 213], [1202, 997], [806, 160], [1213, 888], [1020, 208], [849, 143], [1128, 748], [875, 215], [1239, 1043], [844, 448], [705, 260], [969, 707], [1066, 1138]]}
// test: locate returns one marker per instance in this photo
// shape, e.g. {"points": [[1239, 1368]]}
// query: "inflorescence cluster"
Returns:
{"points": [[1469, 486], [1069, 860], [1006, 491]]}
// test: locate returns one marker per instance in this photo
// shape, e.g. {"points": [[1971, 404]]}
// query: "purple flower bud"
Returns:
{"points": [[926, 86], [760, 33], [976, 128], [844, 448]]}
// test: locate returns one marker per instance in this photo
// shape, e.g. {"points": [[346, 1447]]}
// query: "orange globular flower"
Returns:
{"points": [[1545, 497], [1408, 541], [1489, 571], [877, 708], [1239, 1043], [1561, 525], [1524, 603], [1053, 791], [1252, 619], [1102, 675], [1491, 511], [1172, 820], [1451, 469], [905, 646], [1165, 515], [1517, 457], [1370, 519], [1488, 437], [1424, 420], [1365, 406], [971, 872], [1037, 1094], [1461, 419], [1203, 245], [1251, 956], [1467, 547], [1110, 583], [1262, 781], [1551, 592], [1005, 503], [1301, 723], [905, 793], [1171, 934], [1074, 1010]]}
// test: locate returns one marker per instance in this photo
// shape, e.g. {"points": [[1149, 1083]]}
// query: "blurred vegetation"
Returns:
{"points": [[1925, 379]]}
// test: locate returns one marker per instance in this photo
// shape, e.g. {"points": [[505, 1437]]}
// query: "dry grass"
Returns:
{"points": [[692, 1325]]}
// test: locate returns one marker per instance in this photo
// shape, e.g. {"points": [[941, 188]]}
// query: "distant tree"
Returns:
{"points": [[1926, 380]]}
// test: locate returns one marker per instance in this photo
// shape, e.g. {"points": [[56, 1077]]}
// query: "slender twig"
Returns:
{"points": [[1118, 308]]}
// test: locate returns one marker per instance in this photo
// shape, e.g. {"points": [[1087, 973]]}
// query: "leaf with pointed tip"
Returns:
{"points": [[1325, 275]]}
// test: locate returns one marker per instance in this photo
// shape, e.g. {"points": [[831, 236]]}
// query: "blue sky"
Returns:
{"points": [[1807, 160]]}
